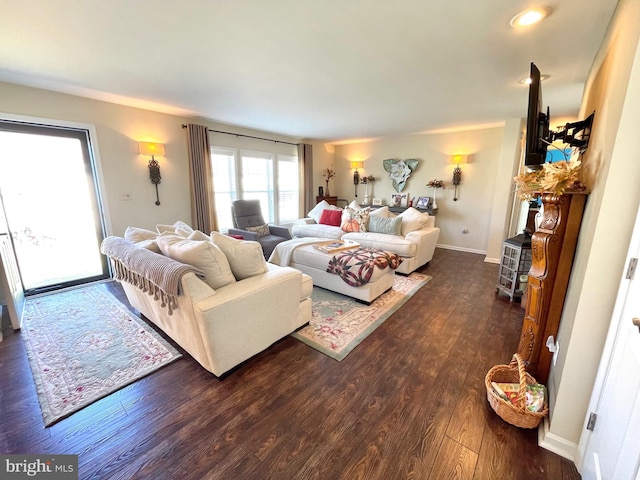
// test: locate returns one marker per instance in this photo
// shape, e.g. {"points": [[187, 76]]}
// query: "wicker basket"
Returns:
{"points": [[517, 415]]}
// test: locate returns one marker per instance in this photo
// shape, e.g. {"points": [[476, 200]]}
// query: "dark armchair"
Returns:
{"points": [[249, 222]]}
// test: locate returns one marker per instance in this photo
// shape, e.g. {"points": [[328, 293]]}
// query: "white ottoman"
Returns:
{"points": [[313, 262]]}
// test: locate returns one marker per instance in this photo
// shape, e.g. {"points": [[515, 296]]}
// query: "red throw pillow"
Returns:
{"points": [[331, 217]]}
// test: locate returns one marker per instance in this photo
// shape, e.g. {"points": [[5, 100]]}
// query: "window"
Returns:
{"points": [[269, 177], [225, 185], [51, 199]]}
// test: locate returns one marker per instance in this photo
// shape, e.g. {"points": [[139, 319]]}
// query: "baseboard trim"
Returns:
{"points": [[556, 444], [462, 249]]}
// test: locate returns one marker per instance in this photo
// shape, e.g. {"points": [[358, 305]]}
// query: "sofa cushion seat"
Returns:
{"points": [[383, 241], [317, 230]]}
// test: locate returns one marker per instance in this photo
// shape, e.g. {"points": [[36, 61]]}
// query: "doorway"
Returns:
{"points": [[49, 194]]}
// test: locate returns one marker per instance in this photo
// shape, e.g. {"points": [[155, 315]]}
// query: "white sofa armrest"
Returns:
{"points": [[243, 317], [426, 239]]}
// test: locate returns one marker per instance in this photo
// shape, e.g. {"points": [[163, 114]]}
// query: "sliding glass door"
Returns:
{"points": [[50, 197]]}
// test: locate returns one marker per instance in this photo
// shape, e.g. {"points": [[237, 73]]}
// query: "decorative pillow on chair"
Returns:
{"points": [[178, 227], [142, 238], [381, 212], [316, 212], [355, 220], [203, 255], [392, 226], [331, 217], [260, 230], [413, 220], [135, 234], [245, 257]]}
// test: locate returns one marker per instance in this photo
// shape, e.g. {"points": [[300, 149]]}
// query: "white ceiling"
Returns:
{"points": [[320, 69]]}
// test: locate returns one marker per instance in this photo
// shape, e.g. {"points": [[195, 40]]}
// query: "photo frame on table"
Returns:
{"points": [[423, 202], [376, 201], [399, 200]]}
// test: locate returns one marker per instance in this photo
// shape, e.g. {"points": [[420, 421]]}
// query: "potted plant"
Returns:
{"points": [[435, 184], [328, 174]]}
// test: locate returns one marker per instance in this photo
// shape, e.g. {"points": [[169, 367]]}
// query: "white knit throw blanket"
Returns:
{"points": [[149, 271]]}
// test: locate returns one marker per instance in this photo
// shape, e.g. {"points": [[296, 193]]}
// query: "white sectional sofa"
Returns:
{"points": [[222, 310], [414, 240]]}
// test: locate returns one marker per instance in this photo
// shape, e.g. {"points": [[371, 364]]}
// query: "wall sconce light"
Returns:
{"points": [[153, 149], [457, 160], [356, 175]]}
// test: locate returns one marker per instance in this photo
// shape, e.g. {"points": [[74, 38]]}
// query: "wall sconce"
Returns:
{"points": [[457, 160], [356, 175], [153, 149]]}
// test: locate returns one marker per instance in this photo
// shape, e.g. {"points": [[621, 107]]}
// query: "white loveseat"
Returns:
{"points": [[415, 240], [223, 326]]}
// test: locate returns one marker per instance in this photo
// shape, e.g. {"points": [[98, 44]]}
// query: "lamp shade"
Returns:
{"points": [[458, 159], [151, 148], [356, 165]]}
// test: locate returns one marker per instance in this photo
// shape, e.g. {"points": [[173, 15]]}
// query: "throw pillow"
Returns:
{"points": [[260, 230], [245, 257], [185, 229], [135, 234], [381, 212], [354, 220], [392, 226], [316, 211], [149, 245], [331, 217], [413, 220], [198, 235], [203, 255]]}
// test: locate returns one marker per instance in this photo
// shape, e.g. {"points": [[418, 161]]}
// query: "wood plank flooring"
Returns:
{"points": [[407, 403]]}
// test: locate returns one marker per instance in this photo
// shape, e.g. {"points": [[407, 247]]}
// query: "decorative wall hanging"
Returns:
{"points": [[399, 171]]}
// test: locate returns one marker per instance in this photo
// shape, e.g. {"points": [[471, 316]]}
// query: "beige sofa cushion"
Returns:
{"points": [[245, 257], [413, 220], [178, 227], [201, 254]]}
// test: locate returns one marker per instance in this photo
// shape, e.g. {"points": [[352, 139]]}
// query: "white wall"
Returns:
{"points": [[119, 129], [475, 206], [613, 173]]}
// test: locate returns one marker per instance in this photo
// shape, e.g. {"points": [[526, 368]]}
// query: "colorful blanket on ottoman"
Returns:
{"points": [[356, 266]]}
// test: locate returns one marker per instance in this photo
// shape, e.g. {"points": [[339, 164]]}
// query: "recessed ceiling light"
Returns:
{"points": [[527, 80], [530, 16]]}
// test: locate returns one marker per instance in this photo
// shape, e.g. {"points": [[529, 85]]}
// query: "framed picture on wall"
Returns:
{"points": [[423, 202], [399, 200]]}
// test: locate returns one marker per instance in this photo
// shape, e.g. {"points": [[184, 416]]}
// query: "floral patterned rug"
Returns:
{"points": [[340, 323], [83, 344]]}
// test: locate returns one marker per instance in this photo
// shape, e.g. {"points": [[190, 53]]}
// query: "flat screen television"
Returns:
{"points": [[538, 135]]}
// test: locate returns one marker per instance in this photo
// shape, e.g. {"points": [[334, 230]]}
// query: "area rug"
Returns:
{"points": [[83, 344], [340, 323]]}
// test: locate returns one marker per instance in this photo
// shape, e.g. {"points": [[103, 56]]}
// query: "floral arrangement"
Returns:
{"points": [[555, 178], [328, 174], [436, 184], [369, 179]]}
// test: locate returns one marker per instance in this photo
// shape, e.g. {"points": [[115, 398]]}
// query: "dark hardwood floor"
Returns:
{"points": [[408, 402]]}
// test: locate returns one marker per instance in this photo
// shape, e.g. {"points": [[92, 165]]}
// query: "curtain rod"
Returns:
{"points": [[249, 136]]}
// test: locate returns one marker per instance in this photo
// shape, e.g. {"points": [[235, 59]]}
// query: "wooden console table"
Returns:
{"points": [[553, 246], [329, 200]]}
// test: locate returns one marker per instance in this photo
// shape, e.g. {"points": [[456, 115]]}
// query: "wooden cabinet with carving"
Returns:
{"points": [[553, 247]]}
